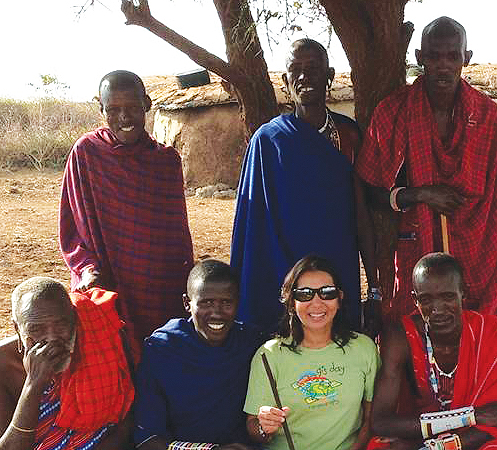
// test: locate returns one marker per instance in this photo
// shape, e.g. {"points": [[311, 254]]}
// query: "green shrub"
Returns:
{"points": [[40, 133]]}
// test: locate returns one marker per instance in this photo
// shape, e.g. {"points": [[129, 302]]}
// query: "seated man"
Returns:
{"points": [[193, 376], [448, 358], [65, 379]]}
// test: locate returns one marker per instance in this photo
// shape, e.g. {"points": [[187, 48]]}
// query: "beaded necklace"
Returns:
{"points": [[434, 381]]}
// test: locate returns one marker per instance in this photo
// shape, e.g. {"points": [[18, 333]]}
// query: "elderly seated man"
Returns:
{"points": [[447, 358], [65, 380]]}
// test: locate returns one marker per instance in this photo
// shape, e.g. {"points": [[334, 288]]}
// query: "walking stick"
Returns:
{"points": [[445, 234], [272, 382]]}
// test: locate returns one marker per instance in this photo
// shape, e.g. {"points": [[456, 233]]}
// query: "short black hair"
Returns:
{"points": [[211, 271], [307, 43], [443, 27], [437, 263], [121, 80], [42, 288]]}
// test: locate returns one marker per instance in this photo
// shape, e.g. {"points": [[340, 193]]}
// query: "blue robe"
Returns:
{"points": [[295, 197], [189, 391]]}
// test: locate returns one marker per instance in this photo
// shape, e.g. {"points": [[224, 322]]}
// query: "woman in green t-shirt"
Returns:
{"points": [[324, 371]]}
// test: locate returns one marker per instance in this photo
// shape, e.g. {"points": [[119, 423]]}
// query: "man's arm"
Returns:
{"points": [[38, 362], [73, 227], [366, 243], [385, 420], [365, 430], [441, 198]]}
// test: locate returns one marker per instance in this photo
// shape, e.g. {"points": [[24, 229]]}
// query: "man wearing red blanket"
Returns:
{"points": [[123, 223], [431, 149], [65, 380], [448, 360]]}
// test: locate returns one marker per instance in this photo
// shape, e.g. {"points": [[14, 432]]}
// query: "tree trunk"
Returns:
{"points": [[375, 40], [249, 75]]}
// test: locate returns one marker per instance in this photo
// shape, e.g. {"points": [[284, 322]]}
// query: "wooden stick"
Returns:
{"points": [[274, 388], [445, 234]]}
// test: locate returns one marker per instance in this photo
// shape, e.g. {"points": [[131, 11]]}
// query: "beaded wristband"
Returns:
{"points": [[180, 445], [438, 422]]}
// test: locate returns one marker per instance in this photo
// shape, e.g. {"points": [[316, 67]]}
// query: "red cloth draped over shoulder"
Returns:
{"points": [[476, 376], [123, 211], [403, 129], [96, 389]]}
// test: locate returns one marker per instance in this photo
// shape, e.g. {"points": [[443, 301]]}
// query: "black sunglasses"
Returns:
{"points": [[306, 294]]}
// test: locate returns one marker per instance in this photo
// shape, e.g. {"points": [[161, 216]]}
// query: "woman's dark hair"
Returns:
{"points": [[290, 325]]}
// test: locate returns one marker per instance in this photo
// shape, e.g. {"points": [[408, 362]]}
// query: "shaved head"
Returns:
{"points": [[307, 43], [210, 271], [30, 293], [443, 27], [436, 264], [121, 80]]}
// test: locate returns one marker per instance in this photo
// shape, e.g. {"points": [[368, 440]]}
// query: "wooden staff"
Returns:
{"points": [[272, 382], [445, 234]]}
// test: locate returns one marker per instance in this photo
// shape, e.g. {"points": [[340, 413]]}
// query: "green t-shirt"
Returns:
{"points": [[324, 389]]}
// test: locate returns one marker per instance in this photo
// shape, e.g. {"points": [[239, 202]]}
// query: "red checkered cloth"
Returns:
{"points": [[403, 129], [123, 211], [96, 389]]}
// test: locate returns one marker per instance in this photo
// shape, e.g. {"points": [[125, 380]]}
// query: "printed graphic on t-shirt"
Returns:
{"points": [[316, 387]]}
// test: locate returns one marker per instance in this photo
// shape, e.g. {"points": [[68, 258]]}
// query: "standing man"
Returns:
{"points": [[123, 223], [449, 358], [298, 195], [431, 150]]}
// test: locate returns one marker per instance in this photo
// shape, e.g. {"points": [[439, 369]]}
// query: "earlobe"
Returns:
{"points": [[467, 57], [186, 303], [419, 57], [148, 103], [331, 75], [285, 80]]}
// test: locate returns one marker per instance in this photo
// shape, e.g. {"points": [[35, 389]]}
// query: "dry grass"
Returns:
{"points": [[39, 134]]}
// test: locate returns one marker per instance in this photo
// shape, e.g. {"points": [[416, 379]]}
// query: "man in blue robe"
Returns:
{"points": [[298, 195]]}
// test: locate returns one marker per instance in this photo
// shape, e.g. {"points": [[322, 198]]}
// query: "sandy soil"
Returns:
{"points": [[28, 232]]}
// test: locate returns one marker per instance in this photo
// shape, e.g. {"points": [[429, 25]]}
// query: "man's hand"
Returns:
{"points": [[42, 360], [442, 199], [136, 15], [372, 318], [90, 277], [486, 415], [271, 418]]}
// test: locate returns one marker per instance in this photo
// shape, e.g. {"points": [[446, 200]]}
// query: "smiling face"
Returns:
{"points": [[124, 111], [316, 315], [307, 76], [47, 322], [439, 300], [213, 307], [443, 57]]}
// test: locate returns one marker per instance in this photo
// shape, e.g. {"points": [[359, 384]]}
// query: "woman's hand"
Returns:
{"points": [[272, 418]]}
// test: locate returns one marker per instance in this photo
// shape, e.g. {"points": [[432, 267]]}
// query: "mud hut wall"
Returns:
{"points": [[210, 141]]}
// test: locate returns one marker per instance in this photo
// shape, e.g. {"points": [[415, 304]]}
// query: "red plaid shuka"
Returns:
{"points": [[403, 129], [96, 389], [123, 211]]}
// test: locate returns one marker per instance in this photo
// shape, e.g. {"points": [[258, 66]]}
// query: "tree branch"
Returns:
{"points": [[196, 53]]}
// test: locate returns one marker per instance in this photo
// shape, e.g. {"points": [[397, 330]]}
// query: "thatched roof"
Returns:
{"points": [[166, 94]]}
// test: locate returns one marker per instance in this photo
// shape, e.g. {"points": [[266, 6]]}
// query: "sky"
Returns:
{"points": [[43, 37]]}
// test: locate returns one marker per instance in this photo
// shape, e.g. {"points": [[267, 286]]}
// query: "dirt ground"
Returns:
{"points": [[28, 232]]}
